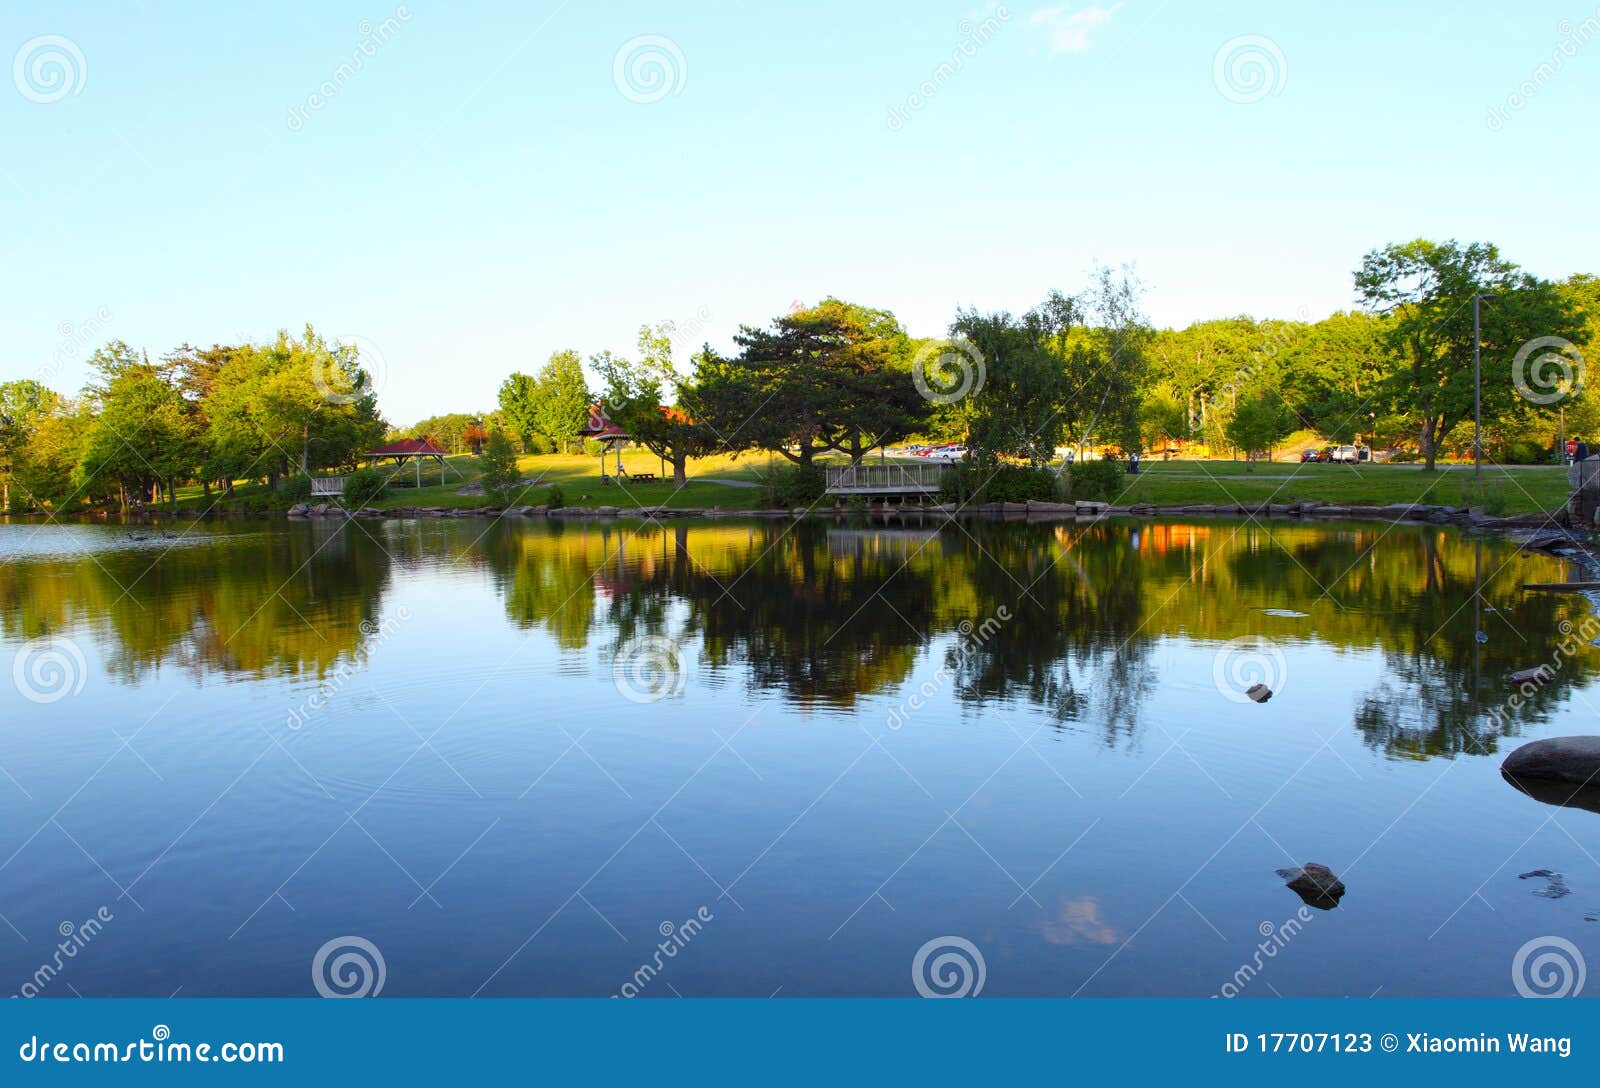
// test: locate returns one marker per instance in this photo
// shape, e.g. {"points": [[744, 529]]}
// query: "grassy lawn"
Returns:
{"points": [[734, 484], [1505, 490]]}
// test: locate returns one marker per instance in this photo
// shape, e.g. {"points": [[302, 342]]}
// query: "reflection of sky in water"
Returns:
{"points": [[417, 735]]}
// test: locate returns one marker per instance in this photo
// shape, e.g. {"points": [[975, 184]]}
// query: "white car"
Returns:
{"points": [[1344, 455]]}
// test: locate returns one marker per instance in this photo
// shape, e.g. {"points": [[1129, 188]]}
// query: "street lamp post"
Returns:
{"points": [[1477, 386]]}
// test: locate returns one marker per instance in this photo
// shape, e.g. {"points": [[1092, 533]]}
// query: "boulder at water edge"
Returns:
{"points": [[1565, 759]]}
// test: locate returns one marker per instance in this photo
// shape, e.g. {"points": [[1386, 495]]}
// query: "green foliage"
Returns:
{"points": [[559, 399], [497, 468], [966, 484], [1425, 290], [555, 498], [1259, 423], [363, 487], [785, 487], [293, 489], [538, 444], [1524, 451], [1095, 481], [836, 376], [636, 397], [518, 395]]}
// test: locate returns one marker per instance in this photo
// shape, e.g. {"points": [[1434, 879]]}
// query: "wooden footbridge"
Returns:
{"points": [[886, 480]]}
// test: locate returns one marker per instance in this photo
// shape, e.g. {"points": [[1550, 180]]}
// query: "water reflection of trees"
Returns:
{"points": [[267, 603], [827, 614]]}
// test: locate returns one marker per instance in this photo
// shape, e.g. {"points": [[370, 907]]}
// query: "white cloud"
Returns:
{"points": [[1068, 31]]}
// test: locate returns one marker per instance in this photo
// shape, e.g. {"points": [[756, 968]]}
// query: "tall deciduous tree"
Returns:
{"points": [[1020, 385], [518, 394], [636, 396], [1426, 290], [561, 398]]}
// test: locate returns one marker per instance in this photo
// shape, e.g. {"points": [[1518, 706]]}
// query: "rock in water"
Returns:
{"points": [[1566, 759], [1259, 692], [1555, 884], [1315, 884]]}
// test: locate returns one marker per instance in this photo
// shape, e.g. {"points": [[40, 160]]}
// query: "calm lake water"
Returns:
{"points": [[512, 756]]}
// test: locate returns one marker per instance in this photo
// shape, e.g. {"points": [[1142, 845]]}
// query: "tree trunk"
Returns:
{"points": [[680, 469], [1429, 444]]}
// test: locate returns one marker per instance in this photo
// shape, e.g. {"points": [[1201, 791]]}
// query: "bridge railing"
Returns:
{"points": [[885, 479], [327, 485]]}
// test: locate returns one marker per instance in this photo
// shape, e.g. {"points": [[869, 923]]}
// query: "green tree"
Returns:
{"points": [[23, 405], [299, 404], [561, 398], [518, 395], [497, 468], [1426, 290], [1259, 423], [1109, 364], [836, 376], [1019, 408], [143, 440], [636, 396]]}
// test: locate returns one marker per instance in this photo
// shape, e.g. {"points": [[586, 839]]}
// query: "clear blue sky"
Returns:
{"points": [[481, 192]]}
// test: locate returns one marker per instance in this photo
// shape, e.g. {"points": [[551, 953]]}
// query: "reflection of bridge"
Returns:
{"points": [[885, 479]]}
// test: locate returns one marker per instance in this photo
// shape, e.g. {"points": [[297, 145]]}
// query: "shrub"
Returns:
{"points": [[593, 447], [554, 498], [788, 486], [363, 487], [1523, 451], [999, 483], [1096, 480], [539, 445], [497, 468], [293, 489]]}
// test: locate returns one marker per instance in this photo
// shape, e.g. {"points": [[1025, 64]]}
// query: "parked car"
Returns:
{"points": [[1310, 455], [1344, 455]]}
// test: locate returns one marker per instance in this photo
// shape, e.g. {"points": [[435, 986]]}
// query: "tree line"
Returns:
{"points": [[141, 428], [1079, 371]]}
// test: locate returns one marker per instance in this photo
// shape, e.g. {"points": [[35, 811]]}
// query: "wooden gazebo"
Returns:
{"points": [[416, 450]]}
